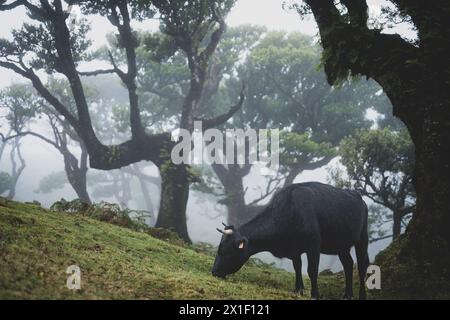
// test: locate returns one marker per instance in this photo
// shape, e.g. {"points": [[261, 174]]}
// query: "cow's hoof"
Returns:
{"points": [[362, 295], [347, 296], [299, 292]]}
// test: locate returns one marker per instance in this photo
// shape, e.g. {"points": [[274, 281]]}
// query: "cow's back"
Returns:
{"points": [[333, 216]]}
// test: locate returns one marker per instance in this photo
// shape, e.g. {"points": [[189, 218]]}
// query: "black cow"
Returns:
{"points": [[305, 217]]}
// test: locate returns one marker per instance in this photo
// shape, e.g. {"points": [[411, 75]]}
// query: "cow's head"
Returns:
{"points": [[232, 254]]}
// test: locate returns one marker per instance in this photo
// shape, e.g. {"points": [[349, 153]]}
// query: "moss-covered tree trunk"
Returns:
{"points": [[429, 230], [76, 171], [78, 184], [231, 177], [174, 197], [17, 168], [397, 225], [417, 264]]}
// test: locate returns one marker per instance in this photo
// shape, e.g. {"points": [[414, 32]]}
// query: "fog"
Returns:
{"points": [[42, 160]]}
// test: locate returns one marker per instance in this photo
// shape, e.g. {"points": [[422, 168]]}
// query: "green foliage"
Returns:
{"points": [[235, 44], [288, 89], [38, 40], [60, 88], [167, 236], [164, 76], [51, 182], [76, 205], [20, 105], [338, 178], [162, 86], [206, 182], [379, 164], [301, 7], [378, 154], [107, 212], [192, 18], [299, 149], [378, 217], [140, 9], [158, 46], [278, 71]]}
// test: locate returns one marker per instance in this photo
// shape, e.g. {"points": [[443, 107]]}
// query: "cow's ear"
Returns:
{"points": [[243, 243]]}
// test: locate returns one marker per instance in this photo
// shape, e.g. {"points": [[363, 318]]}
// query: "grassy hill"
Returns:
{"points": [[37, 245]]}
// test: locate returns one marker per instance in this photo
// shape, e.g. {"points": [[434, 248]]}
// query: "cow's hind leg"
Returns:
{"points": [[313, 271], [299, 287], [363, 262], [347, 263]]}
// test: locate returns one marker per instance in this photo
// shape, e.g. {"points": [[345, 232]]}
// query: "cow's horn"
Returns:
{"points": [[228, 231], [219, 230]]}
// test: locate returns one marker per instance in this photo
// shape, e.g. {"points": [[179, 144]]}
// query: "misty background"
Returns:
{"points": [[204, 213]]}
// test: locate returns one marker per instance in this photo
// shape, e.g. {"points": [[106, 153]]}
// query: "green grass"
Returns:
{"points": [[37, 245]]}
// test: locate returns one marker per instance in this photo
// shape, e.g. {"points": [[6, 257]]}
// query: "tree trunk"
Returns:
{"points": [[144, 182], [81, 191], [236, 208], [416, 265], [174, 197], [231, 178], [76, 172], [77, 179], [397, 226], [146, 195], [16, 171], [429, 230], [238, 211]]}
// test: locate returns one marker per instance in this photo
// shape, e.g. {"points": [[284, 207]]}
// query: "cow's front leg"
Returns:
{"points": [[313, 270], [299, 287]]}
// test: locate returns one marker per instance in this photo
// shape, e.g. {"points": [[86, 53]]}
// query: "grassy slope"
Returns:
{"points": [[37, 245]]}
